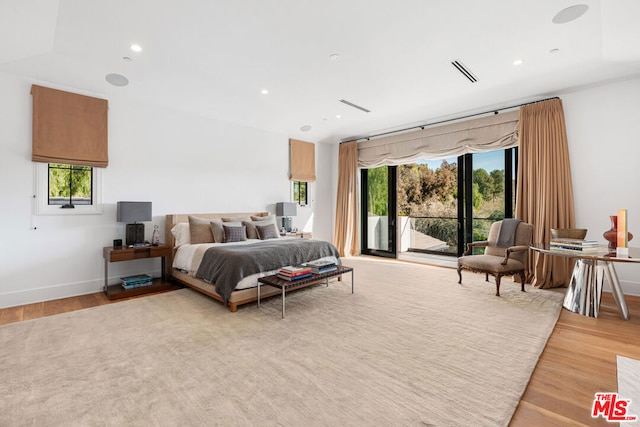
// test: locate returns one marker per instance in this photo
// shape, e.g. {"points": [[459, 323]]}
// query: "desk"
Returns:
{"points": [[111, 254], [585, 288]]}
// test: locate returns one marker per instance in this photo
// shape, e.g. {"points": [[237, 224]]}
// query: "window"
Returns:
{"points": [[64, 189], [70, 185], [300, 192]]}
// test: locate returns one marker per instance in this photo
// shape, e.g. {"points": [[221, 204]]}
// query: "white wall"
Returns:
{"points": [[603, 130], [180, 162]]}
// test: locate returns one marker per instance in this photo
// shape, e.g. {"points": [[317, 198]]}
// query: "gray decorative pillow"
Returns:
{"points": [[251, 227], [200, 230], [267, 231], [234, 233]]}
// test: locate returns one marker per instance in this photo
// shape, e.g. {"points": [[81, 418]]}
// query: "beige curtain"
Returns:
{"points": [[494, 132], [69, 128], [303, 161], [545, 192], [345, 235]]}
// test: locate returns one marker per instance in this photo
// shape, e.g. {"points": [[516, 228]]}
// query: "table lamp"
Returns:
{"points": [[286, 210], [133, 213]]}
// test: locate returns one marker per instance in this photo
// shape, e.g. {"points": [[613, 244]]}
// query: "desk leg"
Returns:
{"points": [[585, 288], [283, 302], [616, 290], [106, 274]]}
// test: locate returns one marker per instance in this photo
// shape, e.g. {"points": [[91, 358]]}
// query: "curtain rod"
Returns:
{"points": [[495, 111]]}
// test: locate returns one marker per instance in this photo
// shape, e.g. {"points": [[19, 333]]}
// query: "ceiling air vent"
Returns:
{"points": [[465, 71], [351, 104]]}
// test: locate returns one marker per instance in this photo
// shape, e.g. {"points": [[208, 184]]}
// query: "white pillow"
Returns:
{"points": [[181, 234]]}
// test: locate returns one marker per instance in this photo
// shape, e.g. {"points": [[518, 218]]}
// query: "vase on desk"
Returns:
{"points": [[611, 235], [155, 239]]}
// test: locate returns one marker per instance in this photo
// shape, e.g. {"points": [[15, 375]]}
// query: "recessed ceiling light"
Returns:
{"points": [[305, 128], [334, 57], [517, 62], [569, 14], [338, 116], [136, 48], [126, 58], [117, 79], [264, 91]]}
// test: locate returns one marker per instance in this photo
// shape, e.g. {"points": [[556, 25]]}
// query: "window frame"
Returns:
{"points": [[41, 194], [306, 193]]}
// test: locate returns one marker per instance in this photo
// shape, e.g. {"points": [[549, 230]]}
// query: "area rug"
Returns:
{"points": [[410, 347], [628, 371]]}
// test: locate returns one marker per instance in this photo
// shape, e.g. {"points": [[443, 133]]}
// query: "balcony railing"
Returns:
{"points": [[437, 235]]}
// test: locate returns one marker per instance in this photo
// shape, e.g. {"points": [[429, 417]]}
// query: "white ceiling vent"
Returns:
{"points": [[465, 71], [351, 104]]}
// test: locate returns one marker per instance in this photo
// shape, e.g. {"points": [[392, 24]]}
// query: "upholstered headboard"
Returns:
{"points": [[173, 219]]}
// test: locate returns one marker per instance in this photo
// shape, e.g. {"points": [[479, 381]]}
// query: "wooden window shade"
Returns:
{"points": [[303, 161], [69, 128]]}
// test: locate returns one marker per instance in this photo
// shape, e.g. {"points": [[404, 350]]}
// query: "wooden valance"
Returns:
{"points": [[69, 128], [303, 161]]}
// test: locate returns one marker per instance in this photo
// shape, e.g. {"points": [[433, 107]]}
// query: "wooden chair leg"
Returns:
{"points": [[486, 277], [459, 274], [521, 281], [498, 276]]}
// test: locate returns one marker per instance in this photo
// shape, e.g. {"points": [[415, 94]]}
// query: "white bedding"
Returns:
{"points": [[184, 257]]}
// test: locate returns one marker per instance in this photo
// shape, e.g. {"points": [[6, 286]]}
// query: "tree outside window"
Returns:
{"points": [[70, 185], [300, 193]]}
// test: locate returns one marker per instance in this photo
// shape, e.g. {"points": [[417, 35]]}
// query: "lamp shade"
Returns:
{"points": [[286, 209], [134, 211]]}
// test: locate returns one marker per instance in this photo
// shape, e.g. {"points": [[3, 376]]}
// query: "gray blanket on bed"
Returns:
{"points": [[227, 265]]}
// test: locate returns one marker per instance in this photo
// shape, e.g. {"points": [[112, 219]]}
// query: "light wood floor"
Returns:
{"points": [[578, 361]]}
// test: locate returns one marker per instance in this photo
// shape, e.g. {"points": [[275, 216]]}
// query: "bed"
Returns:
{"points": [[228, 272]]}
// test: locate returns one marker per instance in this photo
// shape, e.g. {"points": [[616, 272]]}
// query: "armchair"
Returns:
{"points": [[504, 260]]}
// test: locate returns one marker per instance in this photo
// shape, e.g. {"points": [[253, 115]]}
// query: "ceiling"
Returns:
{"points": [[213, 57]]}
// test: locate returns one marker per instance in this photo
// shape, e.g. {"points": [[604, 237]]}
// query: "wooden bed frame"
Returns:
{"points": [[237, 298]]}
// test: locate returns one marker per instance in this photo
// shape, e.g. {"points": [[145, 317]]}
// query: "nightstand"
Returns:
{"points": [[111, 254]]}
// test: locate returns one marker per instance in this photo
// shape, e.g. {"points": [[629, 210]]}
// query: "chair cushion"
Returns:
{"points": [[489, 263]]}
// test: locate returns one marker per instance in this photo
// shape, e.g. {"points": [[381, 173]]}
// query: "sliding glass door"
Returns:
{"points": [[428, 206], [489, 182], [378, 209], [436, 206]]}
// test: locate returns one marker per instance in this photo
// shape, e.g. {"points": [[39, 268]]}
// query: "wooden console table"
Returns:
{"points": [[111, 254]]}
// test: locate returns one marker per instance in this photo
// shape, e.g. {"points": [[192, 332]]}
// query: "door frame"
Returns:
{"points": [[392, 195]]}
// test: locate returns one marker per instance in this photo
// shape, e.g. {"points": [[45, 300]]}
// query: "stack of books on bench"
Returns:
{"points": [[576, 245], [292, 273], [318, 267], [137, 281]]}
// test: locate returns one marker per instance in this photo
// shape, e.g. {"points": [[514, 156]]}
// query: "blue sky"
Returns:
{"points": [[488, 161]]}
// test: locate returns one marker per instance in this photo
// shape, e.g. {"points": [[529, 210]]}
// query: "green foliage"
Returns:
{"points": [[300, 192], [484, 182], [497, 186], [377, 179], [425, 192], [433, 195], [476, 194], [69, 181]]}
